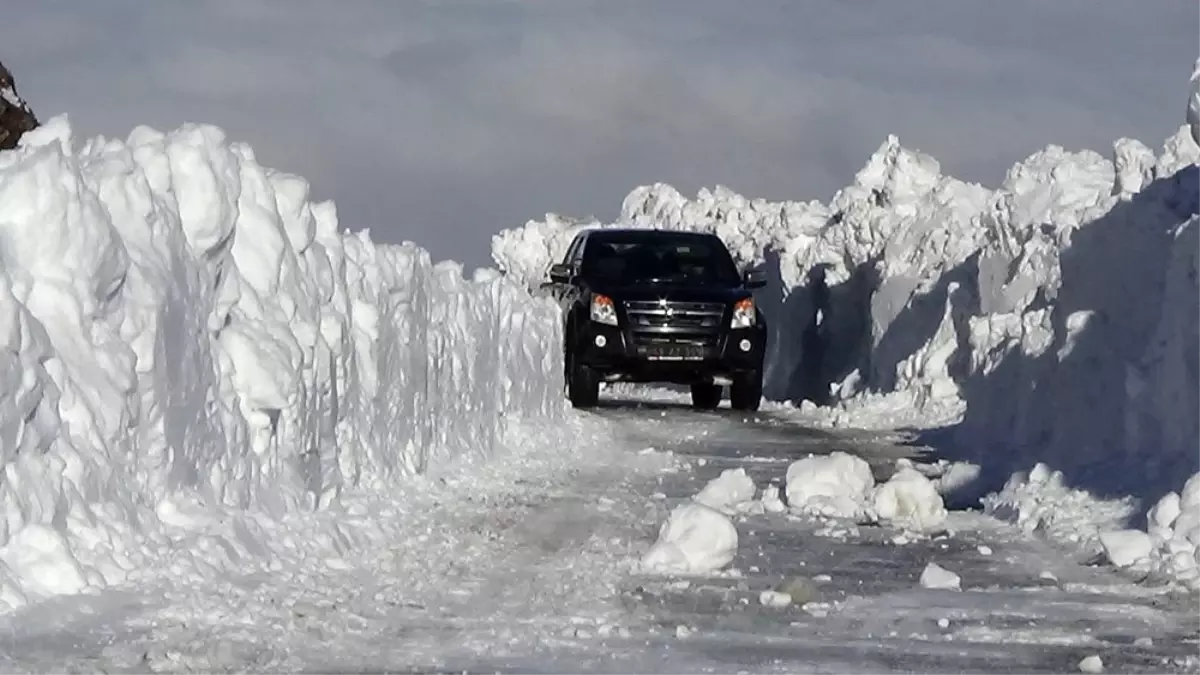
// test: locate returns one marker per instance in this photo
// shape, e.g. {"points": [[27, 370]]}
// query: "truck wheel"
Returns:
{"points": [[583, 384], [706, 395], [746, 391]]}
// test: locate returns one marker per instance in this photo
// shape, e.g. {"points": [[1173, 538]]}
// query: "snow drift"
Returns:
{"points": [[180, 325], [1053, 319]]}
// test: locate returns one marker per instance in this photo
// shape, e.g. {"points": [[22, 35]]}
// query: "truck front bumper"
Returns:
{"points": [[618, 355]]}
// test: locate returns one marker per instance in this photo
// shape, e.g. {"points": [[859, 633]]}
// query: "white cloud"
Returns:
{"points": [[444, 122]]}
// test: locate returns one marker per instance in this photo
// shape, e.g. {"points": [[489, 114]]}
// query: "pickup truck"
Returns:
{"points": [[648, 305]]}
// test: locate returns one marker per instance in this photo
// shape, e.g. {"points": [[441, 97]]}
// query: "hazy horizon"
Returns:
{"points": [[443, 123]]}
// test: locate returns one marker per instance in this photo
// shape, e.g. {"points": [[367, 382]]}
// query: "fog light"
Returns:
{"points": [[744, 345], [601, 341]]}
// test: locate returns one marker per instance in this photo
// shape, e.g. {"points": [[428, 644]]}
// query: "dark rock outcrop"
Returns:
{"points": [[16, 118]]}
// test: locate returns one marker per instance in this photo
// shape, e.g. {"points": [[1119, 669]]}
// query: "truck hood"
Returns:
{"points": [[726, 294]]}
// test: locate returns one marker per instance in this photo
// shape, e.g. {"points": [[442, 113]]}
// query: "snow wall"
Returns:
{"points": [[181, 327], [1055, 316]]}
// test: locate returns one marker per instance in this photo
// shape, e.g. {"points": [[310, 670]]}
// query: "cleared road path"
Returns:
{"points": [[1025, 605], [529, 566]]}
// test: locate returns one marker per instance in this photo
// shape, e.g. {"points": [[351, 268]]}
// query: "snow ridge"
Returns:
{"points": [[183, 330]]}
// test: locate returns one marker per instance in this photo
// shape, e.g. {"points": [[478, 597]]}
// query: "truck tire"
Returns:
{"points": [[706, 395], [746, 391], [583, 384]]}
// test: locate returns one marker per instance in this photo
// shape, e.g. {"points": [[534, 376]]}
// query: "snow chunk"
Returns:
{"points": [[1091, 664], [837, 485], [696, 539], [770, 500], [1038, 501], [911, 501], [957, 477], [40, 557], [938, 577], [729, 493], [774, 599], [1126, 548]]}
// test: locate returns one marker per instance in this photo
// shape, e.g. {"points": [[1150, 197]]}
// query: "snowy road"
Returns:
{"points": [[1025, 607], [529, 565]]}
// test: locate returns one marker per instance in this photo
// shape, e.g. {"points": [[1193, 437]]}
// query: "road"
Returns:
{"points": [[534, 570], [1010, 617]]}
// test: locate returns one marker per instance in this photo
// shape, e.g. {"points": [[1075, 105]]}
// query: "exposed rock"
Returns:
{"points": [[16, 117]]}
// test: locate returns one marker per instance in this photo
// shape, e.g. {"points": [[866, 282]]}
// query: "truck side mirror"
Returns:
{"points": [[560, 273], [755, 278]]}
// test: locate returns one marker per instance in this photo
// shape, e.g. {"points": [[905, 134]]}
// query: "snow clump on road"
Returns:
{"points": [[730, 493], [910, 501], [837, 485], [696, 539], [938, 577]]}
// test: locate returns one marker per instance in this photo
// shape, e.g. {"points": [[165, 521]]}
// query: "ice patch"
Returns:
{"points": [[937, 577]]}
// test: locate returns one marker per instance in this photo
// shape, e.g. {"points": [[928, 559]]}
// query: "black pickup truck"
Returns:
{"points": [[643, 305]]}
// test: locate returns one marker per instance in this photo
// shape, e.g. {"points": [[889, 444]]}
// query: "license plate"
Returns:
{"points": [[673, 353]]}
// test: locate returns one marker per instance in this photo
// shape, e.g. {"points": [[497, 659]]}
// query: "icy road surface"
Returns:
{"points": [[529, 566]]}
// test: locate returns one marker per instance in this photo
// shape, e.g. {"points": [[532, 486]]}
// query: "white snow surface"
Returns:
{"points": [[10, 96], [837, 485], [730, 493], [910, 501], [696, 539], [1050, 320], [191, 347]]}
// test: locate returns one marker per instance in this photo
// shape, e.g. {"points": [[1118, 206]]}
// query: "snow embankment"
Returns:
{"points": [[1051, 320], [184, 334]]}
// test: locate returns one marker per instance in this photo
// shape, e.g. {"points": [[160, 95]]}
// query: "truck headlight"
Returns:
{"points": [[744, 315], [603, 310]]}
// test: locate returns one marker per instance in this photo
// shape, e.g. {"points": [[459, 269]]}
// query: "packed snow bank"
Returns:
{"points": [[184, 332]]}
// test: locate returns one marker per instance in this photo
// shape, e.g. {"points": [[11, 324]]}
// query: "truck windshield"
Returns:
{"points": [[634, 258]]}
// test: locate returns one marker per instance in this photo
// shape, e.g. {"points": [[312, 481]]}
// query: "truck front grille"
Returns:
{"points": [[674, 317], [692, 327]]}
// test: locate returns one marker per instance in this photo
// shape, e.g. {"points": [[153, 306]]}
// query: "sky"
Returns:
{"points": [[445, 122]]}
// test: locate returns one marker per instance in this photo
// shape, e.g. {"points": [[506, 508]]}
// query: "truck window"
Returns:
{"points": [[638, 258]]}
